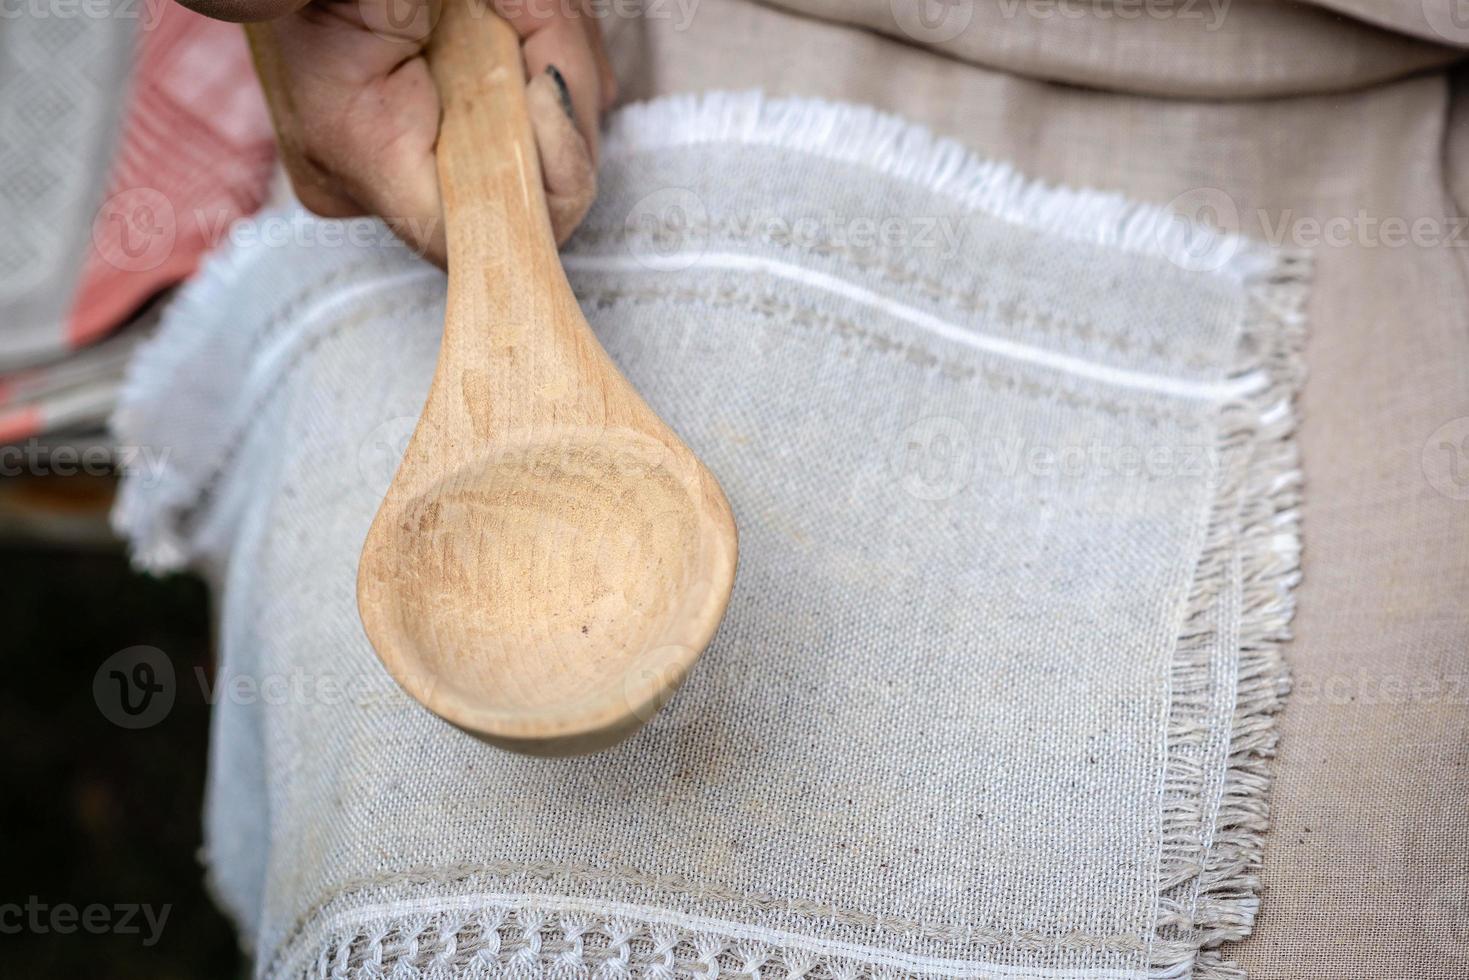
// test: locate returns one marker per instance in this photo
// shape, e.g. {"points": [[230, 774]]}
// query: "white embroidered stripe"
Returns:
{"points": [[1210, 391], [350, 923]]}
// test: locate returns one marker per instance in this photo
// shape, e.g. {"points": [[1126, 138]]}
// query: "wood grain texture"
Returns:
{"points": [[550, 559]]}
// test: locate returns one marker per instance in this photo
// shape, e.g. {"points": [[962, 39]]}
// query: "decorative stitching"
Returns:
{"points": [[970, 301], [772, 306], [586, 874], [533, 942]]}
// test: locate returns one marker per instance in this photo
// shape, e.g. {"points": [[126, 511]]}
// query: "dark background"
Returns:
{"points": [[91, 812]]}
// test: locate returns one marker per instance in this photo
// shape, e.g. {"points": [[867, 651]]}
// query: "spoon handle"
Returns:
{"points": [[489, 171], [514, 337]]}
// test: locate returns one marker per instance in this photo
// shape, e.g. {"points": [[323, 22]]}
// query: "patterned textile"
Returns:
{"points": [[130, 143]]}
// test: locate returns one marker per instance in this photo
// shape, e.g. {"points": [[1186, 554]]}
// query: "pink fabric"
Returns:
{"points": [[20, 423], [196, 153]]}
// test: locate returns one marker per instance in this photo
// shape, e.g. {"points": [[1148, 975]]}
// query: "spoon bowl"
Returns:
{"points": [[562, 586]]}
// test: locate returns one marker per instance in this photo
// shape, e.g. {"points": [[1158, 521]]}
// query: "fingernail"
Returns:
{"points": [[561, 89]]}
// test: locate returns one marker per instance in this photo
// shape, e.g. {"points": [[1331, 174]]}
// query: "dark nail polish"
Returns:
{"points": [[561, 89]]}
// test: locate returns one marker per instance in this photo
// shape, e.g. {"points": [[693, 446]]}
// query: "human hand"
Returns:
{"points": [[357, 112]]}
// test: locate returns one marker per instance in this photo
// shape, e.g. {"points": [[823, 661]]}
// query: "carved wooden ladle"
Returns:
{"points": [[550, 559]]}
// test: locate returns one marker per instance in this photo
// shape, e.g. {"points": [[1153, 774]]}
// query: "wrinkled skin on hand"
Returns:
{"points": [[357, 112]]}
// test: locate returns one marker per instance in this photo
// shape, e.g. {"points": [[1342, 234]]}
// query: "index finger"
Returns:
{"points": [[561, 33]]}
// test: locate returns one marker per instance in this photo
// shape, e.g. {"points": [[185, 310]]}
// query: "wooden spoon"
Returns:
{"points": [[550, 559]]}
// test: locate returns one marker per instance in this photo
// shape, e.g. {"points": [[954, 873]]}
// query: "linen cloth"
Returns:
{"points": [[1014, 472], [1366, 873], [1190, 48]]}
